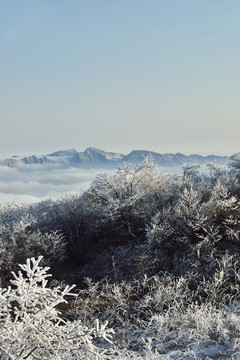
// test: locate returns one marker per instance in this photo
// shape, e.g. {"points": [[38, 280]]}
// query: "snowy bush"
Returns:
{"points": [[125, 201], [162, 318], [17, 243], [180, 227], [74, 219], [31, 325]]}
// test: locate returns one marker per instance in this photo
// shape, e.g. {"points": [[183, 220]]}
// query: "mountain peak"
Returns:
{"points": [[68, 152], [92, 149]]}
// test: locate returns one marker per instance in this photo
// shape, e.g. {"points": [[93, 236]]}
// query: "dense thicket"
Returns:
{"points": [[169, 246], [177, 221]]}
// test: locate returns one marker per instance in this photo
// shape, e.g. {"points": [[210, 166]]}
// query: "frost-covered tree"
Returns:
{"points": [[31, 325], [76, 220], [179, 228], [214, 171], [235, 162], [126, 200], [17, 242], [191, 172]]}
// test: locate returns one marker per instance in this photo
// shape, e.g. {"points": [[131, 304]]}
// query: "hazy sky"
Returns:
{"points": [[161, 75]]}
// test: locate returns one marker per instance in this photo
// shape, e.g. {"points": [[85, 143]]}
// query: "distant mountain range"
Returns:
{"points": [[93, 158]]}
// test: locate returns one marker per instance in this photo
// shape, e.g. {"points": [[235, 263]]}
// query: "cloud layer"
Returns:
{"points": [[35, 183]]}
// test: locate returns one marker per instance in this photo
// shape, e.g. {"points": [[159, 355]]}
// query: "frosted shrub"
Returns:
{"points": [[73, 218], [222, 203], [180, 226], [155, 317], [12, 213], [191, 172], [235, 163], [126, 200], [31, 326], [202, 220], [77, 222], [18, 243]]}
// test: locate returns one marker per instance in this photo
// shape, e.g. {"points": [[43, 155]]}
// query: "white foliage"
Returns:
{"points": [[31, 325], [129, 197], [18, 243]]}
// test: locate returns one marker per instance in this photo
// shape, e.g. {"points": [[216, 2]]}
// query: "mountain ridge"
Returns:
{"points": [[95, 158]]}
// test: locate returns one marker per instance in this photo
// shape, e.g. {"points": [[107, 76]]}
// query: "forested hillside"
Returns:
{"points": [[155, 261]]}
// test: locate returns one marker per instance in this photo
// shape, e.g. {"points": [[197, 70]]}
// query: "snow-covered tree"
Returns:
{"points": [[127, 199], [31, 325]]}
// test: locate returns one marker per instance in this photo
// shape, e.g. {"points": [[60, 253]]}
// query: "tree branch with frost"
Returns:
{"points": [[30, 324]]}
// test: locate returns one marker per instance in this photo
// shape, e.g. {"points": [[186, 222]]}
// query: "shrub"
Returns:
{"points": [[31, 325], [125, 201], [17, 243]]}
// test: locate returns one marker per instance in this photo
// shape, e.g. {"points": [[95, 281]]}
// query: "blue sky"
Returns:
{"points": [[160, 75]]}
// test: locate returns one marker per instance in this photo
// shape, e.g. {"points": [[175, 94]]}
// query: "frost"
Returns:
{"points": [[31, 325]]}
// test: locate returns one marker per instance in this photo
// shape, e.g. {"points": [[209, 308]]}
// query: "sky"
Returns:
{"points": [[160, 75]]}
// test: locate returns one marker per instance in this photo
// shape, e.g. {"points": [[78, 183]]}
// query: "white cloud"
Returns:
{"points": [[34, 183], [17, 198]]}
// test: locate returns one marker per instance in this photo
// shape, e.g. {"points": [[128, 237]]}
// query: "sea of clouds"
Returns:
{"points": [[33, 183]]}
